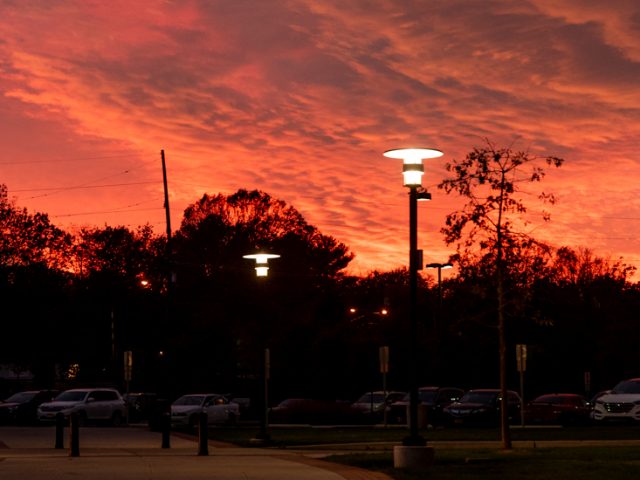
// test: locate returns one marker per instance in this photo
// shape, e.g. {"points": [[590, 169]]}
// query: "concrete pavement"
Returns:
{"points": [[130, 453]]}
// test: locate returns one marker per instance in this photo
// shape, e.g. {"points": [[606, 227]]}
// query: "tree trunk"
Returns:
{"points": [[504, 402]]}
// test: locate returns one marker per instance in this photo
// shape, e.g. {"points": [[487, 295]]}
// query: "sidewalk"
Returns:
{"points": [[130, 453]]}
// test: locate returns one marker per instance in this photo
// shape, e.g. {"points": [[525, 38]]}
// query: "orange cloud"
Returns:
{"points": [[300, 99]]}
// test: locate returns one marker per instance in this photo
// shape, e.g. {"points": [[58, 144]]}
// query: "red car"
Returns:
{"points": [[559, 409]]}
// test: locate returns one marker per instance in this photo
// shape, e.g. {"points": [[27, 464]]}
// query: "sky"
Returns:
{"points": [[300, 99]]}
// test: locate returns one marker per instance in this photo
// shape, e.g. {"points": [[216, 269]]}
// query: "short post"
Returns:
{"points": [[74, 435], [59, 431], [165, 427], [203, 434]]}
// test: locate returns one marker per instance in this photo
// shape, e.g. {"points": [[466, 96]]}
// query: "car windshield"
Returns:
{"points": [[426, 396], [479, 397], [552, 399], [371, 398], [627, 386], [189, 400], [71, 396], [21, 397]]}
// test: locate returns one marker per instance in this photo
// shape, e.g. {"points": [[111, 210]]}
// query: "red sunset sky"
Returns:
{"points": [[300, 98]]}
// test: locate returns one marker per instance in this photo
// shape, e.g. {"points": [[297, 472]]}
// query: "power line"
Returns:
{"points": [[62, 189], [79, 187], [76, 159], [79, 214], [123, 209]]}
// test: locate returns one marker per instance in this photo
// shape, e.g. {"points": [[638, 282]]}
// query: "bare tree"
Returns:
{"points": [[490, 221]]}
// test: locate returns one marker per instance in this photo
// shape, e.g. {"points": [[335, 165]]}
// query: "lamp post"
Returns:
{"points": [[262, 270], [412, 172], [440, 267]]}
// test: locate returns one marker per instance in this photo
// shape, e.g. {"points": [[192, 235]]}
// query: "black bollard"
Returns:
{"points": [[165, 425], [74, 435], [59, 431], [203, 434]]}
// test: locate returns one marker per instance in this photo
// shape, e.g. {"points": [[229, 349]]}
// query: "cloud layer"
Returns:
{"points": [[300, 99]]}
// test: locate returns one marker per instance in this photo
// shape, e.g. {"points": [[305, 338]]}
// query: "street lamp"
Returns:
{"points": [[412, 172], [262, 270], [262, 260]]}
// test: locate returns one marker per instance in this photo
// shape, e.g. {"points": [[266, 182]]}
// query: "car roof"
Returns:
{"points": [[567, 395], [91, 389], [202, 395]]}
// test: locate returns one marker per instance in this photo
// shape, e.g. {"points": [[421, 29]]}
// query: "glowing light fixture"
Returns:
{"points": [[262, 259], [413, 169], [442, 266]]}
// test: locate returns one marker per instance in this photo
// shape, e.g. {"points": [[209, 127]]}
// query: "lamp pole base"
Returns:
{"points": [[412, 457]]}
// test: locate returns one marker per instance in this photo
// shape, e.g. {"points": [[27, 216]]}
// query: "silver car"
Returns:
{"points": [[185, 410], [91, 404]]}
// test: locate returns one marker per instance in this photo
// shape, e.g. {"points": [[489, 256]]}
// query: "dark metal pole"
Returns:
{"points": [[74, 435], [264, 424], [414, 438], [438, 322], [165, 425], [203, 434], [59, 431]]}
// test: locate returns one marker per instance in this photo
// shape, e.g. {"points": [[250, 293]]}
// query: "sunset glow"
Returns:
{"points": [[301, 98]]}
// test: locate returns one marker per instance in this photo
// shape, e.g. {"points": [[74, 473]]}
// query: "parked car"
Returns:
{"points": [[433, 399], [91, 404], [144, 407], [185, 410], [481, 407], [313, 411], [622, 403], [22, 407], [558, 408], [374, 404]]}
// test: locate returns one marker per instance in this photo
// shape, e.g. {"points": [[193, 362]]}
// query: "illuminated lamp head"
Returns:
{"points": [[412, 169], [262, 259]]}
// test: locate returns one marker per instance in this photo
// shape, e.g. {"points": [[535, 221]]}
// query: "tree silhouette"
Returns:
{"points": [[489, 179]]}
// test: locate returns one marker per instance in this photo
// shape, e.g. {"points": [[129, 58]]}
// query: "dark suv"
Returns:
{"points": [[21, 407], [431, 399], [481, 407]]}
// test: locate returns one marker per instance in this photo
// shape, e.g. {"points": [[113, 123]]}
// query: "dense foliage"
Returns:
{"points": [[197, 318]]}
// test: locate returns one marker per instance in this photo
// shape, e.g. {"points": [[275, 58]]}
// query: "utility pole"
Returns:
{"points": [[166, 200], [170, 273]]}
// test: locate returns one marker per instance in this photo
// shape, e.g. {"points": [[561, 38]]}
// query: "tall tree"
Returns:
{"points": [[489, 179], [217, 293], [27, 239]]}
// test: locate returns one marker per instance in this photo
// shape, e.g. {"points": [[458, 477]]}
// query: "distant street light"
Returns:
{"points": [[262, 270], [412, 172]]}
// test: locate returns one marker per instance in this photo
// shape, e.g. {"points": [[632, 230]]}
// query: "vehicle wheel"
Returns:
{"points": [[116, 419]]}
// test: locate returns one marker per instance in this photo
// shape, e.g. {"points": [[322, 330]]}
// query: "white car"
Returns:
{"points": [[186, 409], [91, 404], [622, 403]]}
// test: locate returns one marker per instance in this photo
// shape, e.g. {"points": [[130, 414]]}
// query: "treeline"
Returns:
{"points": [[196, 317]]}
